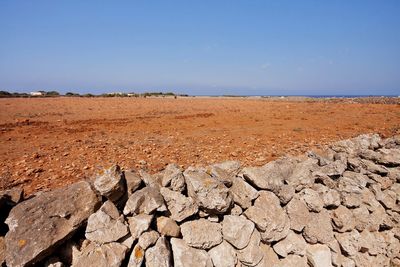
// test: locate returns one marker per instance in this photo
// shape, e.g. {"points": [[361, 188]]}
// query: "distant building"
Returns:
{"points": [[36, 93]]}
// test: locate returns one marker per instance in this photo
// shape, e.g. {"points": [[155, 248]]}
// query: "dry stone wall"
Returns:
{"points": [[339, 207]]}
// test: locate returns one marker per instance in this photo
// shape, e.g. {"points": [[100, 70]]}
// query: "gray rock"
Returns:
{"points": [[357, 144], [110, 254], [319, 228], [252, 254], [181, 207], [237, 230], [298, 214], [243, 193], [301, 176], [343, 219], [330, 197], [311, 199], [201, 233], [60, 212], [146, 200], [172, 177], [334, 169], [111, 183], [11, 197], [319, 255], [159, 255], [185, 256], [221, 175], [138, 224], [148, 239], [149, 180], [209, 193], [389, 157], [137, 256], [272, 222], [168, 227], [133, 181], [291, 244], [223, 255], [106, 225]]}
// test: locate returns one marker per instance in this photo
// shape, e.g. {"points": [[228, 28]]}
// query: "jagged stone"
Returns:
{"points": [[334, 169], [106, 225], [232, 167], [298, 214], [185, 256], [172, 177], [361, 218], [301, 176], [2, 251], [148, 239], [168, 227], [133, 181], [11, 197], [110, 254], [209, 193], [330, 197], [349, 242], [357, 144], [201, 233], [389, 157], [319, 255], [252, 254], [137, 256], [364, 259], [138, 224], [269, 256], [319, 228], [312, 200], [292, 261], [291, 244], [149, 180], [111, 183], [146, 200], [272, 222], [372, 242], [243, 193], [237, 230], [159, 255], [221, 175], [223, 255], [236, 210], [181, 207], [286, 193], [387, 198], [343, 219], [61, 211]]}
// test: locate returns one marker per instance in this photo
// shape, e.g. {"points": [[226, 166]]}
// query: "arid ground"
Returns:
{"points": [[51, 142]]}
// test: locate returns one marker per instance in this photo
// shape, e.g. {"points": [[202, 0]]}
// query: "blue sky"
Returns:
{"points": [[201, 47]]}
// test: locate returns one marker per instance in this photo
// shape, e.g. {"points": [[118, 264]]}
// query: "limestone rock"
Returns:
{"points": [[319, 228], [357, 144], [146, 200], [243, 193], [361, 218], [292, 244], [334, 169], [372, 242], [301, 176], [231, 167], [185, 256], [221, 175], [149, 180], [172, 177], [269, 256], [181, 207], [298, 214], [209, 193], [110, 254], [133, 181], [272, 222], [59, 212], [330, 197], [138, 224], [286, 193], [343, 219], [137, 257], [111, 183], [159, 255], [236, 210], [223, 255], [312, 200], [168, 227], [2, 251], [349, 242], [237, 230], [292, 261], [148, 239], [201, 233], [106, 225], [252, 254], [319, 255]]}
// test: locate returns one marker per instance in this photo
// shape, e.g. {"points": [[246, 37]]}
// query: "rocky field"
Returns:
{"points": [[337, 207]]}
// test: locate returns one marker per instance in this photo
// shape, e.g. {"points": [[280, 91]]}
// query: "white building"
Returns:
{"points": [[36, 93]]}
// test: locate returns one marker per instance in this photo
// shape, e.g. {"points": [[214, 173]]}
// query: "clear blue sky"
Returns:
{"points": [[201, 47]]}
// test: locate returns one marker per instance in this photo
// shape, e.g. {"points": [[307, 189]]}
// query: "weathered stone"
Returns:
{"points": [[269, 256], [110, 254], [111, 183], [319, 228], [127, 241], [361, 219], [349, 242], [138, 224], [137, 256], [372, 242], [53, 262], [343, 219], [159, 255], [330, 197], [312, 200], [236, 210], [149, 180], [364, 259], [133, 181], [301, 176], [252, 254], [232, 167], [168, 227], [172, 177], [243, 193], [11, 197], [223, 255], [59, 212], [237, 230], [319, 255], [185, 256], [181, 207], [2, 251], [357, 144], [106, 225], [389, 157], [334, 169], [292, 261], [387, 198], [221, 175], [292, 244], [148, 239], [146, 200], [201, 233], [209, 193], [272, 222], [286, 193], [298, 214]]}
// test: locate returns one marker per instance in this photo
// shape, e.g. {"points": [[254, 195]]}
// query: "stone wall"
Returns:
{"points": [[336, 208]]}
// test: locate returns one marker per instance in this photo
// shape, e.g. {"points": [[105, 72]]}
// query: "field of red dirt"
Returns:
{"points": [[51, 142]]}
